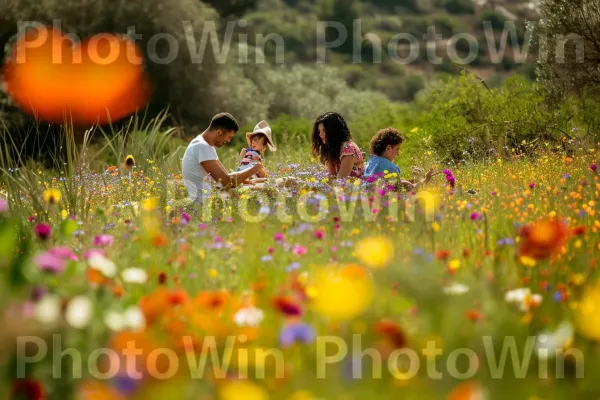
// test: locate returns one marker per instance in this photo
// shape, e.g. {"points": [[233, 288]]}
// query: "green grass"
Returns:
{"points": [[244, 259]]}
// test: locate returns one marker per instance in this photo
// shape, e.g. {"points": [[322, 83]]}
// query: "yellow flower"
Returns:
{"points": [[342, 293], [454, 264], [414, 130], [150, 204], [212, 273], [587, 314], [64, 214], [376, 252], [527, 261], [435, 227], [242, 389], [302, 395], [52, 196], [129, 161]]}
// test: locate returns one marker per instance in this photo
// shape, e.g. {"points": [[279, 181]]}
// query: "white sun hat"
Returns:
{"points": [[264, 128]]}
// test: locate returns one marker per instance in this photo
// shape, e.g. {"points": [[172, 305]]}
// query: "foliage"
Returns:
{"points": [[467, 120], [232, 8], [569, 44]]}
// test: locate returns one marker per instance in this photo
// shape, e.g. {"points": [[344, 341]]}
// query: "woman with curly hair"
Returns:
{"points": [[332, 144]]}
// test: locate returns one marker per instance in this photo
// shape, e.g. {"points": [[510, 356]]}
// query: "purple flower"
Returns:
{"points": [[450, 177], [103, 240], [266, 258], [292, 266], [49, 262], [593, 167], [37, 293], [531, 185], [185, 218], [475, 216], [43, 231], [298, 332]]}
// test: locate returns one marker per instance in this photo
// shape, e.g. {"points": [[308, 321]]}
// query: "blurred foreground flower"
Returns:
{"points": [[27, 389], [544, 239], [43, 231], [587, 314], [342, 292], [376, 252], [79, 312], [468, 391], [3, 205], [52, 196], [549, 343], [242, 389]]}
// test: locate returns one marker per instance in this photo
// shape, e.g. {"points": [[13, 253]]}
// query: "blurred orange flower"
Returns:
{"points": [[543, 239]]}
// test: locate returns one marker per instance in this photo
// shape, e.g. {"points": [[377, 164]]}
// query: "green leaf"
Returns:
{"points": [[67, 227]]}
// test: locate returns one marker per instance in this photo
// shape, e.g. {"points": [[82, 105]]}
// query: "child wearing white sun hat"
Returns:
{"points": [[258, 141]]}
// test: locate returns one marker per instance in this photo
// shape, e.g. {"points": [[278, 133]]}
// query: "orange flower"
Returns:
{"points": [[543, 239], [159, 240], [442, 255], [158, 302], [216, 300]]}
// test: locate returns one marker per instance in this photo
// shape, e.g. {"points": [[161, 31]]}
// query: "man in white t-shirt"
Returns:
{"points": [[201, 167]]}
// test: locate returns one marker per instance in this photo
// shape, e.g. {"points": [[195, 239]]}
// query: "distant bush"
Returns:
{"points": [[465, 120], [571, 65], [458, 6], [495, 18]]}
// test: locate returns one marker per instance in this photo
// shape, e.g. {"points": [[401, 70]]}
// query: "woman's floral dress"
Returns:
{"points": [[350, 148]]}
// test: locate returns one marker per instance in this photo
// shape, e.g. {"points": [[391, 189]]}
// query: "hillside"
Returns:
{"points": [[398, 73]]}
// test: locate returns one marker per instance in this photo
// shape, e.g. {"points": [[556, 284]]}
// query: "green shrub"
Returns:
{"points": [[466, 120], [458, 6], [495, 18]]}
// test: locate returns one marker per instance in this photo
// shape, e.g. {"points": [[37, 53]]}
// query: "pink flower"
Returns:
{"points": [[299, 250], [450, 177], [271, 250], [475, 216], [531, 185], [43, 231], [3, 205], [103, 240], [319, 234], [49, 262], [64, 252], [91, 252], [185, 218], [279, 237]]}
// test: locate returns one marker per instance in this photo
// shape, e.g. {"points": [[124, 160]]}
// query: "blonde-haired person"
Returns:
{"points": [[258, 140]]}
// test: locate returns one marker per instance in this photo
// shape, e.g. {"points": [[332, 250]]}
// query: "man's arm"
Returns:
{"points": [[220, 174]]}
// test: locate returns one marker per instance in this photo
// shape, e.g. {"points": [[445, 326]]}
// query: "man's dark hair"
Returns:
{"points": [[224, 121], [385, 137]]}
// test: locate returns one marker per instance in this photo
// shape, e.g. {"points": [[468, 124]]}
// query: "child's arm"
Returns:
{"points": [[242, 155]]}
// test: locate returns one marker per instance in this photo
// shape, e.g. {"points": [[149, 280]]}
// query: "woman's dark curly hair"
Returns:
{"points": [[337, 133], [383, 138]]}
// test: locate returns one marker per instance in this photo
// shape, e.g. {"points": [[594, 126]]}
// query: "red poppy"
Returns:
{"points": [[474, 315], [442, 255], [288, 306], [579, 230], [392, 331], [27, 389]]}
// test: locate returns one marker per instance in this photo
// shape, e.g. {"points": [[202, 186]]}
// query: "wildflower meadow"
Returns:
{"points": [[481, 284]]}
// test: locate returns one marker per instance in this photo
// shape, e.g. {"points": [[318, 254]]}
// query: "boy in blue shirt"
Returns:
{"points": [[385, 146]]}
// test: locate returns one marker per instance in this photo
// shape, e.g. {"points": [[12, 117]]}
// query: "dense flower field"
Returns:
{"points": [[481, 285]]}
